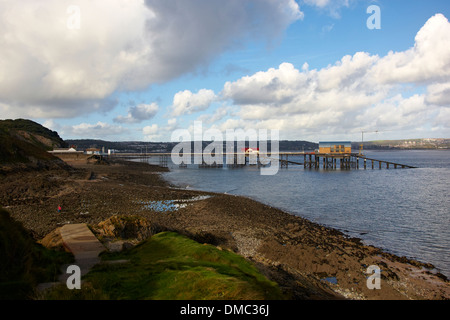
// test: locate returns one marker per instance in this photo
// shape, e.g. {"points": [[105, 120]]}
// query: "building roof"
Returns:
{"points": [[334, 143], [64, 150]]}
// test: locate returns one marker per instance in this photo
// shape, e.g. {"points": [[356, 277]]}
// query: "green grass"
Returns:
{"points": [[170, 266], [23, 262]]}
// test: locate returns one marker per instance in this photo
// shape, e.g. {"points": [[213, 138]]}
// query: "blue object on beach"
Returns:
{"points": [[331, 280], [170, 205]]}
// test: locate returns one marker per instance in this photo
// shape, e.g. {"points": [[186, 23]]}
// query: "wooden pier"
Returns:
{"points": [[348, 161], [311, 160]]}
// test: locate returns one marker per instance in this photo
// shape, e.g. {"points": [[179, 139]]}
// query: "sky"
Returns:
{"points": [[316, 70]]}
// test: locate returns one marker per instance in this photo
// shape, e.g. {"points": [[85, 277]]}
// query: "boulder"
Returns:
{"points": [[121, 231], [119, 245], [53, 240]]}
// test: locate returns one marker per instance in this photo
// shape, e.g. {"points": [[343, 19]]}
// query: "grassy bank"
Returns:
{"points": [[170, 266], [24, 263]]}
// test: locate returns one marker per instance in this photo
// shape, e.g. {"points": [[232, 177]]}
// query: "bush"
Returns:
{"points": [[24, 263]]}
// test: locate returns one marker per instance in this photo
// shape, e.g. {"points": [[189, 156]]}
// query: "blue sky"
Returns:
{"points": [[312, 69]]}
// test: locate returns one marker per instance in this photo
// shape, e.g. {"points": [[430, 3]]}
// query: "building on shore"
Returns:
{"points": [[65, 150], [335, 147], [93, 151], [68, 154]]}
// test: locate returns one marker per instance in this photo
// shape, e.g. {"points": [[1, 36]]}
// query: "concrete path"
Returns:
{"points": [[79, 240]]}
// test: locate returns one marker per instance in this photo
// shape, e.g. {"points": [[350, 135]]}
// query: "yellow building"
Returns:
{"points": [[335, 147]]}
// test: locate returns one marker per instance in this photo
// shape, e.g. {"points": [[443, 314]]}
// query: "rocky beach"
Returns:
{"points": [[307, 260]]}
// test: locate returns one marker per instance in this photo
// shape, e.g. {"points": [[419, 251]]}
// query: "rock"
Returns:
{"points": [[53, 240], [119, 245], [127, 245], [125, 227]]}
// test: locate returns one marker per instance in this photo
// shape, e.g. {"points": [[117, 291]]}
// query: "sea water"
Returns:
{"points": [[403, 211]]}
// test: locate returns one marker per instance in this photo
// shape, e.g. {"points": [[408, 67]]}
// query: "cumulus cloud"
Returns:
{"points": [[317, 3], [156, 132], [396, 112], [439, 94], [150, 131], [99, 130], [426, 62], [172, 124], [333, 7], [186, 102], [50, 69], [188, 33], [287, 90], [442, 119], [359, 91], [219, 114], [61, 72], [139, 113]]}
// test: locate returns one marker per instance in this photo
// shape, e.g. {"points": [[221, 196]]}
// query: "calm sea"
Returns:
{"points": [[403, 211]]}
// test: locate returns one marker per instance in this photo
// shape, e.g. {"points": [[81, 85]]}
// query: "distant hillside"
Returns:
{"points": [[121, 146], [140, 146], [298, 146], [405, 144], [34, 132], [27, 142]]}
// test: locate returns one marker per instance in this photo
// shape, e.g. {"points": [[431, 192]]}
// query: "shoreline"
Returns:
{"points": [[307, 260], [355, 235]]}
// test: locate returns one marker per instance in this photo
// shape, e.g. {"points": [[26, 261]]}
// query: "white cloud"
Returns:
{"points": [[359, 91], [100, 130], [51, 124], [151, 132], [396, 113], [186, 102], [333, 7], [274, 85], [217, 116], [62, 72], [285, 91], [427, 62], [155, 132], [139, 113], [317, 3], [172, 124], [442, 119], [439, 94], [50, 70]]}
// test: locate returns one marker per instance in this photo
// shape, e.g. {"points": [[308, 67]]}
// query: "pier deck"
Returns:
{"points": [[310, 160]]}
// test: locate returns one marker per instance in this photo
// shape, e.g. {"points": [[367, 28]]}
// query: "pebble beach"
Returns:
{"points": [[307, 260]]}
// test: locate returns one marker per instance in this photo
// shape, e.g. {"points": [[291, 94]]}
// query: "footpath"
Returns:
{"points": [[78, 239], [81, 242]]}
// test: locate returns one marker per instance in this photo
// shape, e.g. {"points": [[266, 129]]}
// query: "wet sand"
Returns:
{"points": [[307, 260]]}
